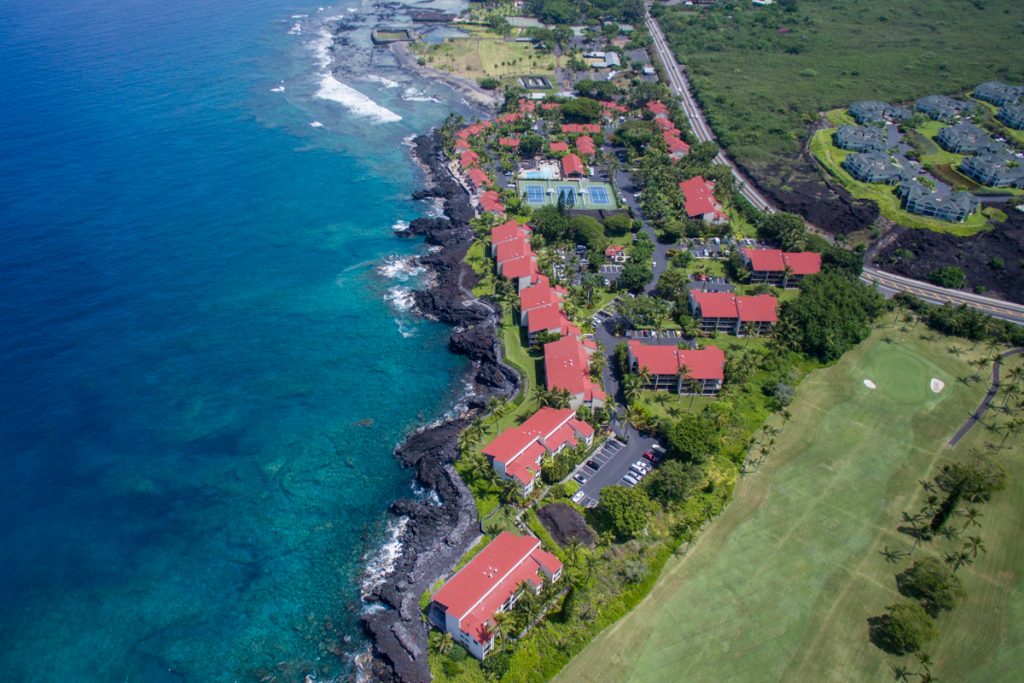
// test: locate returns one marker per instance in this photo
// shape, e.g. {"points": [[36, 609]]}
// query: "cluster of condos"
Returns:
{"points": [[987, 161]]}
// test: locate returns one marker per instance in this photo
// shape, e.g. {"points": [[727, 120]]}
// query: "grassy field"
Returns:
{"points": [[831, 158], [763, 74], [486, 54], [780, 587]]}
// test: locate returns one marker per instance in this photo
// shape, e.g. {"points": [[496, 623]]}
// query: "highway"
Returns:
{"points": [[887, 283]]}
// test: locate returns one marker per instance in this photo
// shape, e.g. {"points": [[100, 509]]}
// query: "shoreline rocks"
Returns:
{"points": [[436, 536]]}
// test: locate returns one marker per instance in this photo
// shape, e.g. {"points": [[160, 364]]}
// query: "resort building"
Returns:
{"points": [[567, 366], [873, 167], [699, 200], [994, 169], [1012, 115], [616, 253], [677, 149], [559, 147], [941, 108], [779, 268], [659, 109], [479, 178], [585, 146], [998, 93], [698, 372], [738, 315], [581, 128], [517, 452], [538, 296], [507, 232], [490, 583], [572, 167], [860, 138], [468, 159], [924, 201], [490, 202], [511, 142], [872, 111], [962, 138], [551, 319]]}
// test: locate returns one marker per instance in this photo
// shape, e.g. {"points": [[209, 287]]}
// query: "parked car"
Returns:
{"points": [[577, 497], [594, 465], [631, 480], [581, 478]]}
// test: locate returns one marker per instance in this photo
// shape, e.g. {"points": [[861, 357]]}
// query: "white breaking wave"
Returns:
{"points": [[400, 226], [383, 563], [400, 268], [356, 102], [277, 88], [316, 124], [411, 94], [295, 30], [400, 298], [386, 82]]}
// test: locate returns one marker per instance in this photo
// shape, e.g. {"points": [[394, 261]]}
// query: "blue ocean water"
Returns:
{"points": [[203, 370]]}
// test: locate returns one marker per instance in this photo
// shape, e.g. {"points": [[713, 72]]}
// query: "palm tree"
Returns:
{"points": [[971, 516], [511, 494], [445, 643], [958, 559], [956, 350], [631, 386], [681, 377], [974, 545]]}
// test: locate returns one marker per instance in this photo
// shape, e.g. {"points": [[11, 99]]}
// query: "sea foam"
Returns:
{"points": [[383, 562], [401, 268], [386, 82], [356, 102]]}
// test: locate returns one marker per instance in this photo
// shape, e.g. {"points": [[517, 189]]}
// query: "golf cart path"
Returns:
{"points": [[992, 390]]}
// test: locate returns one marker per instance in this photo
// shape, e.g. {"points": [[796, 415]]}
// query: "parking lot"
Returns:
{"points": [[613, 460]]}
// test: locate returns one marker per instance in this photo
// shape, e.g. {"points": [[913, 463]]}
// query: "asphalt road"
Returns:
{"points": [[615, 457], [889, 284]]}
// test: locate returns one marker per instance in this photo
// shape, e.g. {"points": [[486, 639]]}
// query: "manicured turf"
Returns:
{"points": [[780, 587], [486, 54]]}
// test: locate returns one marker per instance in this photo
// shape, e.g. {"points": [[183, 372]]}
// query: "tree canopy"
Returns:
{"points": [[692, 438], [625, 509], [674, 481], [930, 582], [904, 629], [582, 110]]}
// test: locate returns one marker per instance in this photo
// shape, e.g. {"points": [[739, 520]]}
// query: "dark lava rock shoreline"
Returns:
{"points": [[437, 535]]}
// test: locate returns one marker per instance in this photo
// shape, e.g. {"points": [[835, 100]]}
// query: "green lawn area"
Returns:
{"points": [[483, 266], [780, 586], [761, 87], [996, 126], [831, 158], [486, 54]]}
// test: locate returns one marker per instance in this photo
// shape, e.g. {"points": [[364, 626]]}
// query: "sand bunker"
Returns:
{"points": [[937, 385], [869, 384]]}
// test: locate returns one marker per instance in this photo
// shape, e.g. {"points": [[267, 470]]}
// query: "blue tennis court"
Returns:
{"points": [[567, 194], [599, 195], [535, 194]]}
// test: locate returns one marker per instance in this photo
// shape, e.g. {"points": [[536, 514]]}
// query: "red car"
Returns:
{"points": [[650, 455]]}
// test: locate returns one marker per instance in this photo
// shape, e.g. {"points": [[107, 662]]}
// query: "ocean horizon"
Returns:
{"points": [[208, 352]]}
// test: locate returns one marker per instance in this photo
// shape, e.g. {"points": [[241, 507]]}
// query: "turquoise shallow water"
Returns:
{"points": [[201, 376]]}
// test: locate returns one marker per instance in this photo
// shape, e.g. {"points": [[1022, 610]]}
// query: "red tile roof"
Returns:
{"points": [[707, 363], [519, 267], [581, 128], [762, 308], [665, 124], [657, 108], [715, 304], [508, 230], [479, 178], [461, 145], [509, 142], [469, 158], [765, 260], [571, 165], [491, 202], [538, 295], [675, 145], [509, 118], [512, 249], [559, 147], [614, 249], [567, 366], [699, 198], [585, 145], [478, 590], [547, 318], [802, 262], [474, 129], [546, 426], [610, 107], [548, 106], [527, 106]]}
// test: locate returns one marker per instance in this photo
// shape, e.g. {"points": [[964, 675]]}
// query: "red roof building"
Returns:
{"points": [[461, 145], [657, 108], [468, 159], [616, 253], [567, 366], [490, 583], [509, 142], [548, 106], [527, 106], [490, 202], [517, 452], [536, 296], [578, 128], [520, 271], [726, 312], [704, 368], [666, 125], [559, 147], [509, 230], [512, 249], [509, 118], [609, 108], [782, 269], [479, 178], [473, 130], [585, 145], [677, 149], [572, 167], [700, 202]]}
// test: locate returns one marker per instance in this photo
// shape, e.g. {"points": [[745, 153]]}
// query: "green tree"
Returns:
{"points": [[950, 277], [530, 145], [672, 284], [785, 229], [582, 110], [625, 510], [903, 629], [589, 232], [692, 438], [932, 584], [674, 481], [635, 275], [551, 223], [618, 224]]}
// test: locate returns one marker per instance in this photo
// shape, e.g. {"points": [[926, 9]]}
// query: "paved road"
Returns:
{"points": [[614, 458], [887, 282], [992, 391]]}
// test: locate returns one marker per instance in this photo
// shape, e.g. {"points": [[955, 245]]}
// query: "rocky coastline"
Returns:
{"points": [[437, 534]]}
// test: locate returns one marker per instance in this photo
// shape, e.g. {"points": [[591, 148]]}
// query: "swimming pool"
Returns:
{"points": [[540, 174]]}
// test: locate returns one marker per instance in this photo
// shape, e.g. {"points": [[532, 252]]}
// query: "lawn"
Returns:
{"points": [[486, 54], [781, 585], [831, 158], [764, 73]]}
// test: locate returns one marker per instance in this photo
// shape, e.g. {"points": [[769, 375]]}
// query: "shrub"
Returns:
{"points": [[950, 277], [904, 629], [930, 582]]}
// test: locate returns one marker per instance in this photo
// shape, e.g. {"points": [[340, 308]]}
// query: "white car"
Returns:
{"points": [[630, 480], [577, 497]]}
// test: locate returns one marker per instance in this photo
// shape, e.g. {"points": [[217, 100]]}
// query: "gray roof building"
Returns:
{"points": [[994, 169], [962, 138], [1013, 116], [873, 111], [924, 201], [998, 93], [941, 108], [860, 138], [873, 167]]}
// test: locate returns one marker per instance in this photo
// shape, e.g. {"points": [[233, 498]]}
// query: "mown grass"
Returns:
{"points": [[780, 587], [762, 88], [831, 158], [486, 54]]}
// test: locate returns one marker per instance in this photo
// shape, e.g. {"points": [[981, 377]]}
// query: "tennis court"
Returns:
{"points": [[580, 195]]}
